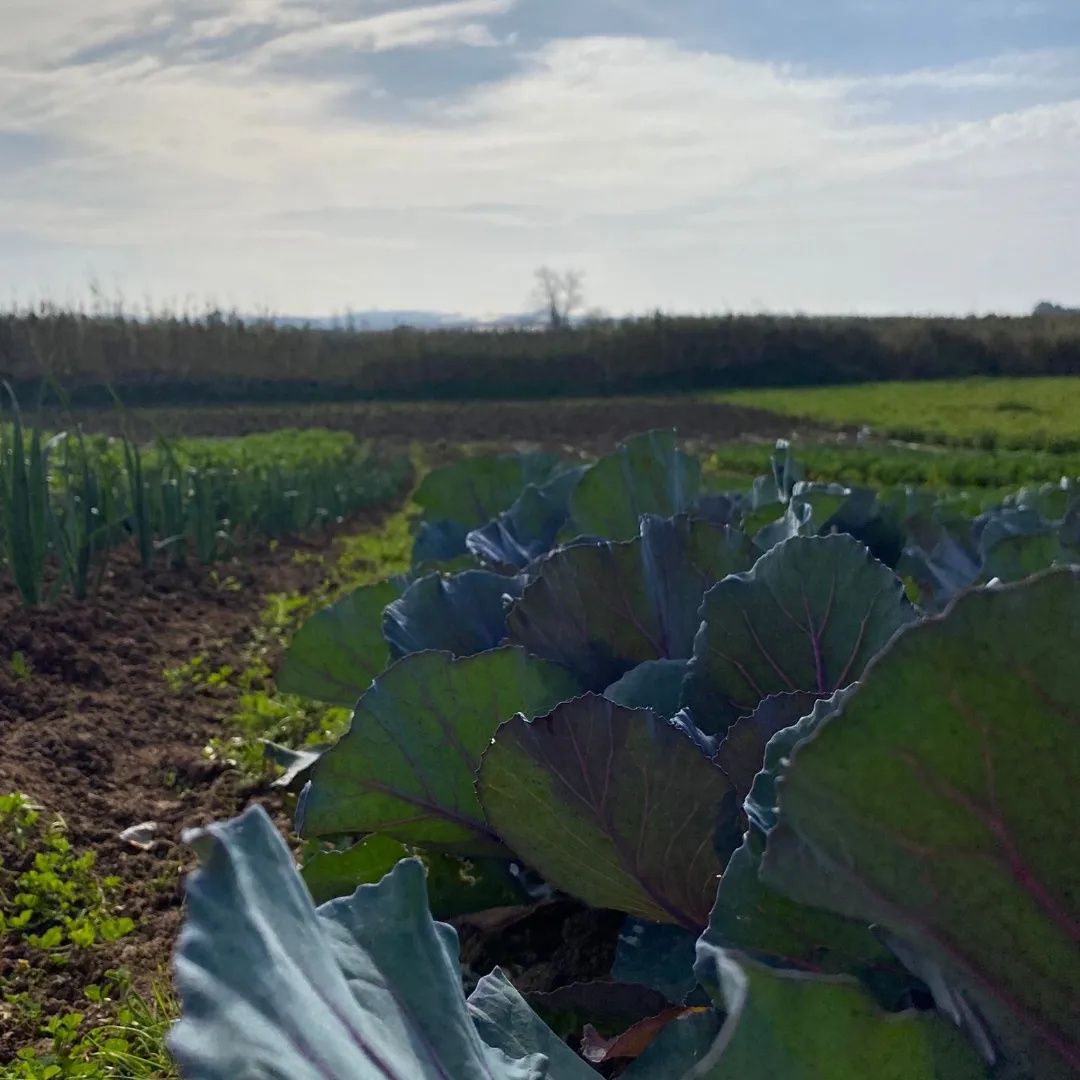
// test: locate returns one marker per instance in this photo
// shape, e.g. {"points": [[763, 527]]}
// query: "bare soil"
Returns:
{"points": [[95, 734], [588, 424]]}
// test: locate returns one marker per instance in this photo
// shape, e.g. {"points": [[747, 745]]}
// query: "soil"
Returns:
{"points": [[94, 734], [588, 424]]}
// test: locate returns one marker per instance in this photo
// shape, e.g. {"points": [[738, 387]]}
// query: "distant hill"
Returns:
{"points": [[1046, 308], [391, 320]]}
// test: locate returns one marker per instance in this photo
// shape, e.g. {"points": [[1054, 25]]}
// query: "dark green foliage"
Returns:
{"points": [[634, 816], [601, 609], [223, 358], [845, 856], [938, 801], [68, 500]]}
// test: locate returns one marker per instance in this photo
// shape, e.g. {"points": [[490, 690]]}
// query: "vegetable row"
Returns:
{"points": [[818, 745]]}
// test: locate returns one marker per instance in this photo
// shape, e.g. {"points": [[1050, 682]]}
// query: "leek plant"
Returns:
{"points": [[24, 499], [67, 501], [138, 504], [83, 517]]}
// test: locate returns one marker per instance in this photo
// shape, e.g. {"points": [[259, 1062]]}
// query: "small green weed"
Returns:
{"points": [[20, 667], [52, 905], [290, 721], [195, 674], [49, 894], [121, 1034], [226, 583], [262, 714]]}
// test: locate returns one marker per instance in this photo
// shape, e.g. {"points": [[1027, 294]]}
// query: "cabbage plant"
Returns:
{"points": [[818, 745]]}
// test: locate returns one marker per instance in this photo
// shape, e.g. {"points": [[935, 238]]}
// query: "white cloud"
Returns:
{"points": [[281, 15], [680, 178], [450, 22], [37, 32]]}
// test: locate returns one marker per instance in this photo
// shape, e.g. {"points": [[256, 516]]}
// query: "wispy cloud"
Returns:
{"points": [[37, 34], [455, 22]]}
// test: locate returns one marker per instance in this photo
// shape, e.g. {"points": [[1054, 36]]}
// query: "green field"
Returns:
{"points": [[1036, 413], [302, 591], [986, 473]]}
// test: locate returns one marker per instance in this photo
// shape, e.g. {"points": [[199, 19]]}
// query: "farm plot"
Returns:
{"points": [[594, 424], [137, 585], [740, 727], [661, 745], [989, 413], [68, 502], [98, 739]]}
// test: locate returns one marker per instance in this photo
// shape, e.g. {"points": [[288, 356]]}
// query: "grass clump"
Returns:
{"points": [[126, 1041]]}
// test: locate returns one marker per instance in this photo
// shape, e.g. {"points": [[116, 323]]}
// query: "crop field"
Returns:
{"points": [[585, 423], [1008, 414], [528, 740]]}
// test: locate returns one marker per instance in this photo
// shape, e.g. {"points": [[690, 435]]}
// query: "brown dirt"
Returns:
{"points": [[95, 734], [589, 424]]}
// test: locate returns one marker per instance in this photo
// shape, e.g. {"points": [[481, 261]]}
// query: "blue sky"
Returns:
{"points": [[311, 156]]}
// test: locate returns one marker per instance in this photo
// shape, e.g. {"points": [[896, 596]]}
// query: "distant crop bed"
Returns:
{"points": [[983, 473], [1013, 414]]}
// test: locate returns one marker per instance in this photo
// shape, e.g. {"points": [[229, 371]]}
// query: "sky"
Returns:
{"points": [[318, 156]]}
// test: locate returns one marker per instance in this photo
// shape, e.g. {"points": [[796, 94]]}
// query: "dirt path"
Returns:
{"points": [[91, 730]]}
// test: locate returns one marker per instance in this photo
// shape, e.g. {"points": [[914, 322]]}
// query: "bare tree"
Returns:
{"points": [[559, 295]]}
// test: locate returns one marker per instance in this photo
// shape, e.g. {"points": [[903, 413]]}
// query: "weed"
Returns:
{"points": [[264, 715], [126, 1040], [51, 896], [20, 666], [196, 674], [53, 903], [226, 584]]}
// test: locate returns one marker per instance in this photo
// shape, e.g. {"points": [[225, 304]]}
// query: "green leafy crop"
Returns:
{"points": [[68, 501], [50, 895], [817, 743]]}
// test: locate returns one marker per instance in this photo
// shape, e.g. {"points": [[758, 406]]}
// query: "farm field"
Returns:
{"points": [[879, 464], [1014, 414], [585, 424], [1037, 414], [99, 736], [189, 690]]}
